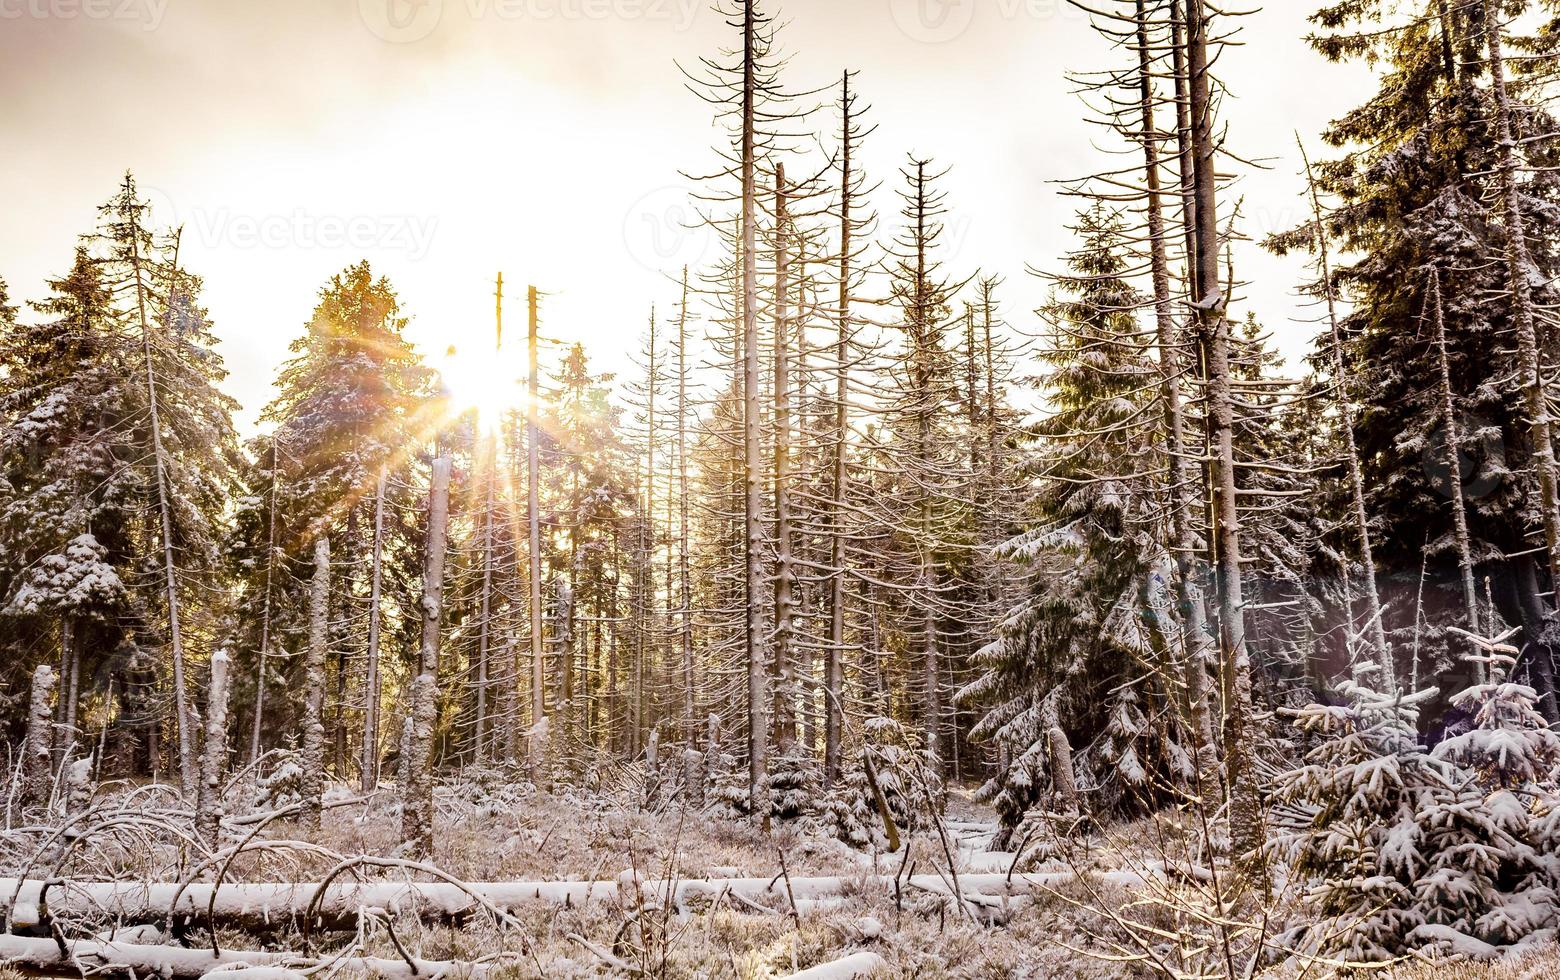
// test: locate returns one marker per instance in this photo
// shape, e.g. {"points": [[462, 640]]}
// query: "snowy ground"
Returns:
{"points": [[611, 889]]}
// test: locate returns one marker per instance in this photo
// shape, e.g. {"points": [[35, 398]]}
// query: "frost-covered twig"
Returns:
{"points": [[90, 956]]}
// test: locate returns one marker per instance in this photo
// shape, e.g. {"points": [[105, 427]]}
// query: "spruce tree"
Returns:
{"points": [[1078, 653], [351, 402]]}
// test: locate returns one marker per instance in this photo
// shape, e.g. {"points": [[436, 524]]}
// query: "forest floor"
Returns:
{"points": [[919, 932], [717, 896]]}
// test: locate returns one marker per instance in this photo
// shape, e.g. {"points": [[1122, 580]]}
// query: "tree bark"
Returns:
{"points": [[70, 666], [37, 762], [165, 516], [313, 748], [1454, 465], [1182, 472], [783, 670], [370, 762], [1522, 273], [208, 811], [1247, 824], [753, 503], [533, 512], [417, 799]]}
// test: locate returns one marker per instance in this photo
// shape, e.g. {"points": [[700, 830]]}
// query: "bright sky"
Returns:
{"points": [[446, 140]]}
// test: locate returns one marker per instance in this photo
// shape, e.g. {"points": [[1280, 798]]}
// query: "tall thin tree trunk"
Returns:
{"points": [[1522, 273], [1378, 631], [988, 312], [214, 754], [70, 698], [1454, 463], [485, 601], [881, 700], [371, 685], [340, 618], [1182, 472], [645, 560], [784, 672], [921, 373], [834, 674], [265, 607], [417, 800], [314, 686], [753, 502], [1185, 163], [533, 513], [1247, 823], [684, 565], [160, 465]]}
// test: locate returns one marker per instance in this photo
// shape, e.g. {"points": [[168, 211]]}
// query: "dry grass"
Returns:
{"points": [[536, 836], [1539, 965]]}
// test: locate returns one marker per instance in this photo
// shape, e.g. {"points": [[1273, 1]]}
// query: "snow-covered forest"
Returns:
{"points": [[872, 626]]}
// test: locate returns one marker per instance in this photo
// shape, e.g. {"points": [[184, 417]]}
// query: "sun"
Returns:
{"points": [[486, 382]]}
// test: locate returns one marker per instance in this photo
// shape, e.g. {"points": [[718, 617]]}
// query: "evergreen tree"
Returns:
{"points": [[1082, 649], [1414, 186], [61, 479], [92, 483], [590, 486], [351, 403]]}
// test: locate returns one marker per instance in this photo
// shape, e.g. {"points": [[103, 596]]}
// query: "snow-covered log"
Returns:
{"points": [[844, 968], [84, 955], [268, 905]]}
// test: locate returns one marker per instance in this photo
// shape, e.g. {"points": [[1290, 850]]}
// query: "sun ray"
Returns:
{"points": [[484, 382]]}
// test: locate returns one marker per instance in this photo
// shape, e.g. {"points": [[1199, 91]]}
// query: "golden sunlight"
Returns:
{"points": [[487, 382]]}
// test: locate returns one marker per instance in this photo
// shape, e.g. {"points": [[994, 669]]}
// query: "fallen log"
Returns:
{"points": [[844, 968], [266, 905], [83, 957]]}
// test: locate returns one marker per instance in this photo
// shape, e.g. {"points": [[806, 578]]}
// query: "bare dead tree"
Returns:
{"points": [[208, 810], [1453, 449], [37, 761], [313, 743], [533, 508], [1520, 269], [181, 707], [1346, 422], [417, 793], [1210, 303]]}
